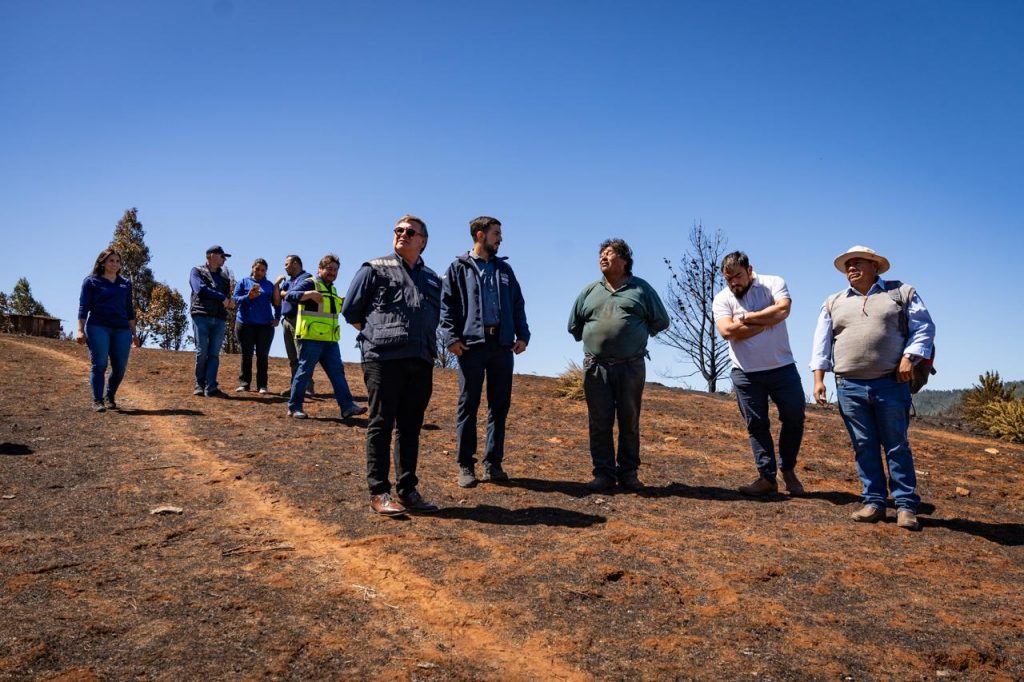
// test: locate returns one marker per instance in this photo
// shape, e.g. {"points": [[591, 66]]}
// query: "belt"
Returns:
{"points": [[491, 331]]}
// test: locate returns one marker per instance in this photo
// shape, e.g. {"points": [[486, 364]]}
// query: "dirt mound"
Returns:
{"points": [[275, 567]]}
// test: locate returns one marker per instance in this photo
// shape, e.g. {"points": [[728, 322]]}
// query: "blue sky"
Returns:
{"points": [[797, 128]]}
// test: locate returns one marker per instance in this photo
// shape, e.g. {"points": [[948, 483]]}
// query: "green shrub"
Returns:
{"points": [[990, 389], [1005, 420]]}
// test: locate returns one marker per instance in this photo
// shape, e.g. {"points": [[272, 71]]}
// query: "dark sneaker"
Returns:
{"points": [[414, 502], [242, 389], [215, 393], [297, 414], [869, 513], [759, 487], [600, 483], [630, 481], [793, 485], [98, 406], [263, 391], [494, 472], [109, 403], [385, 506], [198, 390], [907, 519], [467, 477], [352, 411]]}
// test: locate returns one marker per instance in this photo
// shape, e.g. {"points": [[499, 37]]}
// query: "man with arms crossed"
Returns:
{"points": [[483, 323], [750, 314], [871, 334]]}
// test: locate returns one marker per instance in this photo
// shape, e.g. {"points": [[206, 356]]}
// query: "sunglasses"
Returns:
{"points": [[405, 232]]}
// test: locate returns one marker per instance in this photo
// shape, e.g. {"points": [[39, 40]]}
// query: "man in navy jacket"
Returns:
{"points": [[483, 323]]}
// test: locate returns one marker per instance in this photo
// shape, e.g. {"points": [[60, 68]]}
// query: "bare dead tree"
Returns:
{"points": [[692, 285], [445, 358]]}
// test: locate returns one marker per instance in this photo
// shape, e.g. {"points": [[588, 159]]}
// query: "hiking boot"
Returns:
{"points": [[242, 389], [630, 481], [352, 411], [414, 502], [263, 391], [600, 483], [109, 403], [494, 472], [98, 406], [907, 519], [793, 485], [467, 477], [199, 390], [869, 513], [759, 487], [385, 506], [215, 393], [297, 414]]}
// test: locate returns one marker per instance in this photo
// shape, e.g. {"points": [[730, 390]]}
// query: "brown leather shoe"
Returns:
{"points": [[385, 506], [869, 513], [759, 487], [793, 484], [414, 502], [907, 519]]}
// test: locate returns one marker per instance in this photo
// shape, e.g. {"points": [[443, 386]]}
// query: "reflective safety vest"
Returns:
{"points": [[320, 326]]}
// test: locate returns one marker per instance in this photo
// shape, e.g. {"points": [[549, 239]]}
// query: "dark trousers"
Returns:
{"points": [[782, 385], [398, 392], [490, 360], [613, 393], [254, 337], [292, 347]]}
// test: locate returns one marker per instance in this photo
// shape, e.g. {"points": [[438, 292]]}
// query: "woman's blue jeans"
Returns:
{"points": [[104, 343]]}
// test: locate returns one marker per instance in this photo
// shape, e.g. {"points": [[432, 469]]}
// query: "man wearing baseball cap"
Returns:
{"points": [[211, 303], [871, 335]]}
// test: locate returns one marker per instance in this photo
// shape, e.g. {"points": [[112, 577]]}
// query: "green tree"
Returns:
{"points": [[5, 311], [168, 321], [130, 241], [231, 345], [21, 301]]}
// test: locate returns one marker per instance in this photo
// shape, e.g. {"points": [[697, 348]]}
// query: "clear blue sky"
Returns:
{"points": [[797, 128]]}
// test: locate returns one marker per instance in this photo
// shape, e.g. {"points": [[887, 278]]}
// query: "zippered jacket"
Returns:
{"points": [[462, 306]]}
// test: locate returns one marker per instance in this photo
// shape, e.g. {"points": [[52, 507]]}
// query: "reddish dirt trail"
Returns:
{"points": [[277, 569]]}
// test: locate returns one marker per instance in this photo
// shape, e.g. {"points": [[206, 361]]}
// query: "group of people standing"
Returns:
{"points": [[871, 334]]}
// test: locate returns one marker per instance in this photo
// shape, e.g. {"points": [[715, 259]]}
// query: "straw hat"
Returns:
{"points": [[861, 252]]}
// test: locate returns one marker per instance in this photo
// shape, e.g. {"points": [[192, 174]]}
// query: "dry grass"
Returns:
{"points": [[570, 382]]}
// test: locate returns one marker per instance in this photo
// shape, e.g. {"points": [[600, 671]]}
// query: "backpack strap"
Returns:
{"points": [[901, 294]]}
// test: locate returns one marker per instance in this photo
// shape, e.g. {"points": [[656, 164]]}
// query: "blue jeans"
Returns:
{"points": [[494, 361], [107, 342], [877, 414], [209, 336], [782, 385], [327, 354], [614, 393]]}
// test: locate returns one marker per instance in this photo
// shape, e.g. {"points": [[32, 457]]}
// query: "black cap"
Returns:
{"points": [[219, 250]]}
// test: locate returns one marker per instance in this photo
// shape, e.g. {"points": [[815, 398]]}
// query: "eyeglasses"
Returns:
{"points": [[405, 232]]}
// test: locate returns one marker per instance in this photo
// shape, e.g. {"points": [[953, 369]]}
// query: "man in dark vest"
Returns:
{"points": [[871, 334], [483, 322], [395, 301], [211, 303]]}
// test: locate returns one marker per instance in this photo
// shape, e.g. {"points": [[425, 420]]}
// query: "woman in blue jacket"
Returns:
{"points": [[106, 322], [259, 311]]}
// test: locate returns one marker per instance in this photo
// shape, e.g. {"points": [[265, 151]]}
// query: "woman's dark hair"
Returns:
{"points": [[97, 268], [258, 261], [620, 247]]}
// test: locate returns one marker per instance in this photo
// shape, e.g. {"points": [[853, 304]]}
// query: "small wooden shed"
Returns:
{"points": [[35, 325]]}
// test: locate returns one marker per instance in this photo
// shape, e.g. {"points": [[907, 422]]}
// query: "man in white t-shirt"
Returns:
{"points": [[751, 315]]}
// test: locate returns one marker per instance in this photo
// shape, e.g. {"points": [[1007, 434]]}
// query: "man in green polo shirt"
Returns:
{"points": [[614, 317]]}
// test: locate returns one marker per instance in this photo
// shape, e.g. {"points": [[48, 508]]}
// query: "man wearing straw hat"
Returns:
{"points": [[871, 335]]}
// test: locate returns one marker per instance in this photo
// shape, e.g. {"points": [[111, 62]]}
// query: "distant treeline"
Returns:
{"points": [[936, 403]]}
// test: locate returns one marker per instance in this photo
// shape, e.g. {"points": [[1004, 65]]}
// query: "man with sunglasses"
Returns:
{"points": [[395, 302], [871, 335], [483, 323], [750, 314]]}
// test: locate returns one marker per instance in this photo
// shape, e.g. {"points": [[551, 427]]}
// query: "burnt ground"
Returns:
{"points": [[276, 568]]}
